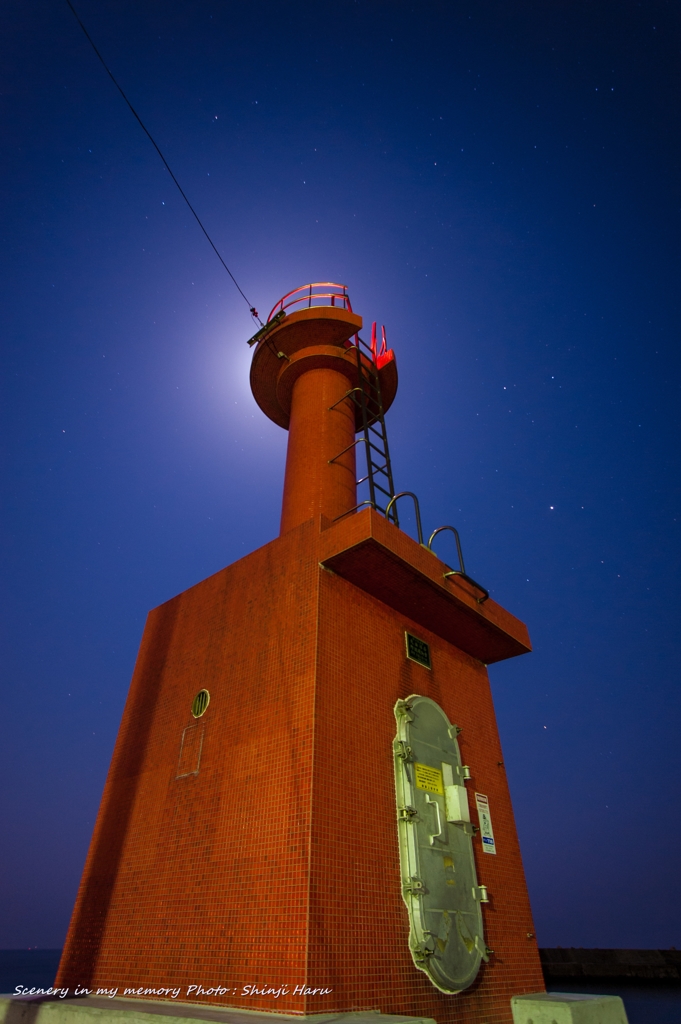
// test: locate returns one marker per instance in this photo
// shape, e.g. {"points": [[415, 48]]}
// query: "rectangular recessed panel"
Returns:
{"points": [[190, 751]]}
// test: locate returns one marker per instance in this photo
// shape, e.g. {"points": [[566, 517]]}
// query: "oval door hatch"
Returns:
{"points": [[439, 881]]}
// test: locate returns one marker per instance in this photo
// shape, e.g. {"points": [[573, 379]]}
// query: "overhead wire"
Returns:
{"points": [[253, 311]]}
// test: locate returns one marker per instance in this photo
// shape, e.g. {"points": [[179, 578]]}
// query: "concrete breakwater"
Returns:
{"points": [[657, 965], [560, 965]]}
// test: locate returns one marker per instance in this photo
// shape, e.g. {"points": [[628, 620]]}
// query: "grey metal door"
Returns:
{"points": [[439, 882]]}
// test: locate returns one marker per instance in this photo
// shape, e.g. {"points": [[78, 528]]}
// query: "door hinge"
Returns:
{"points": [[422, 953], [403, 707], [407, 813], [414, 887], [403, 750]]}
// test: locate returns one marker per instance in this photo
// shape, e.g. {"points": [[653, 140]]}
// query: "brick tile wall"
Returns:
{"points": [[277, 862]]}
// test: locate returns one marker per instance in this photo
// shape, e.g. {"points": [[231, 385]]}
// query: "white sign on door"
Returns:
{"points": [[486, 833]]}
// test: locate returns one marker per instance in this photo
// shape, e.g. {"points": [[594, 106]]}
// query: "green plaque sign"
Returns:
{"points": [[417, 650]]}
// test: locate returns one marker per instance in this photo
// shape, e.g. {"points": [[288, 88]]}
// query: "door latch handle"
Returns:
{"points": [[435, 804]]}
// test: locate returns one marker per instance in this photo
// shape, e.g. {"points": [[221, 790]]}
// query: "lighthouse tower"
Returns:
{"points": [[307, 811]]}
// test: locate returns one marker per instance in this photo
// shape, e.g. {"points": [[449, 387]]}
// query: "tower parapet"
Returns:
{"points": [[307, 372]]}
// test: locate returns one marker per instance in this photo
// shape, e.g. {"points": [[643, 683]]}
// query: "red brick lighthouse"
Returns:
{"points": [[306, 811]]}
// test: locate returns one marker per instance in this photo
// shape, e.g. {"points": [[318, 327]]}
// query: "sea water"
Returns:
{"points": [[645, 1003]]}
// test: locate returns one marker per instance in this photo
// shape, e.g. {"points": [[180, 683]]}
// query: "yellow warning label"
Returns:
{"points": [[429, 778]]}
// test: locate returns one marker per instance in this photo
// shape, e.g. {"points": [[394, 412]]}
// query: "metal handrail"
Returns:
{"points": [[305, 296], [346, 395], [356, 441], [461, 571], [459, 552], [408, 494], [361, 505]]}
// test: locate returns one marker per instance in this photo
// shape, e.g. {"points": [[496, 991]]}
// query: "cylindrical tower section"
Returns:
{"points": [[320, 459], [305, 377]]}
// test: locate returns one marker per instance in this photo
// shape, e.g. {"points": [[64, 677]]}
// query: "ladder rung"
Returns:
{"points": [[387, 479], [382, 489]]}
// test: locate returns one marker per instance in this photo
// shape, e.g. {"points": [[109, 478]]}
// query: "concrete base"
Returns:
{"points": [[100, 1010], [567, 1008]]}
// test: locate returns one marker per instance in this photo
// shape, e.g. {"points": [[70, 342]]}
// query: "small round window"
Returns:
{"points": [[200, 703]]}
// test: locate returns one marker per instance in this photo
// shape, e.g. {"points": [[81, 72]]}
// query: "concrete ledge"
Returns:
{"points": [[94, 1010], [376, 556], [567, 1008]]}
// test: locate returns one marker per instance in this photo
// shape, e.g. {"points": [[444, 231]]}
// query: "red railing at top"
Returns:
{"points": [[321, 293]]}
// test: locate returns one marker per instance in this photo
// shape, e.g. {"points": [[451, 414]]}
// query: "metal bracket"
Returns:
{"points": [[266, 328]]}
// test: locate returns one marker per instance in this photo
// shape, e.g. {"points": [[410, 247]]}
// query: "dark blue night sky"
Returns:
{"points": [[497, 183]]}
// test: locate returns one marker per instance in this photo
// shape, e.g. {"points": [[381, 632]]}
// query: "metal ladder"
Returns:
{"points": [[368, 399]]}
